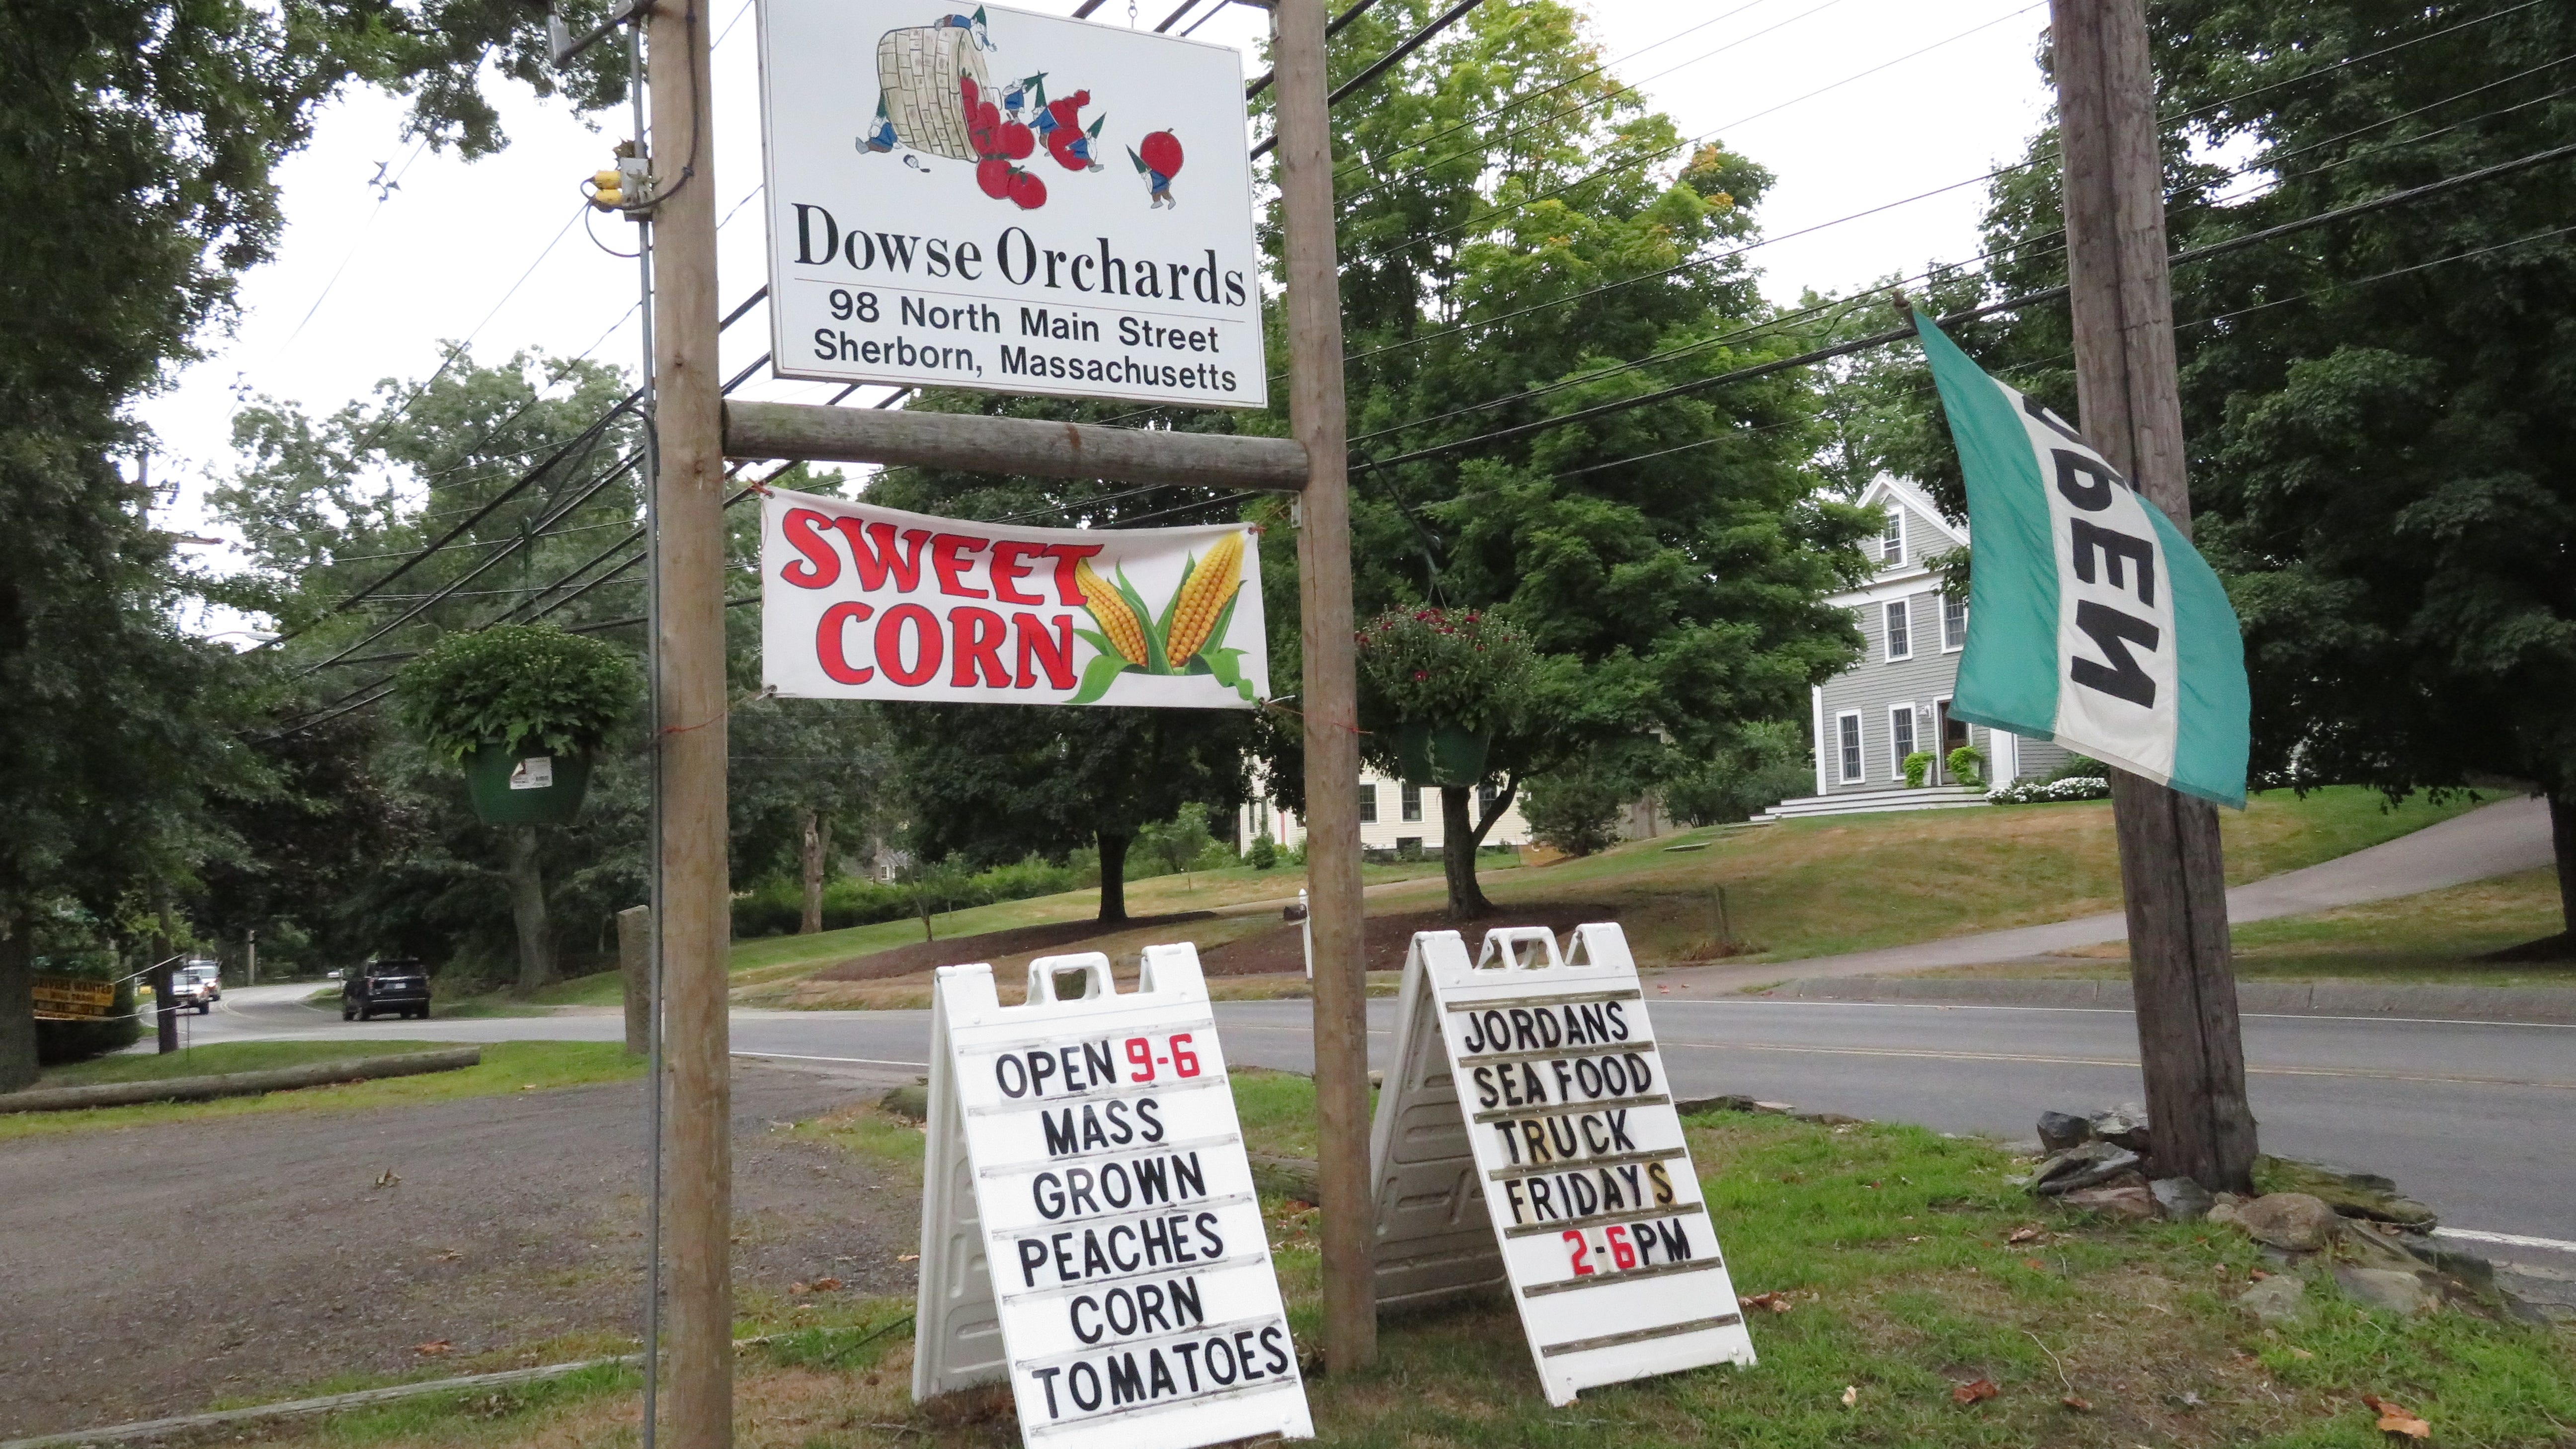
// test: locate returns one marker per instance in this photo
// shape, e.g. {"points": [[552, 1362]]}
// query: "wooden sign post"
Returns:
{"points": [[1089, 1227], [1527, 1135]]}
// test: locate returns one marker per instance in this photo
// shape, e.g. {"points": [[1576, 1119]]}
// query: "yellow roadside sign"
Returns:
{"points": [[69, 998]]}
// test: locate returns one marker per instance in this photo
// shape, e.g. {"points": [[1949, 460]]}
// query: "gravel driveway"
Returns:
{"points": [[155, 1270]]}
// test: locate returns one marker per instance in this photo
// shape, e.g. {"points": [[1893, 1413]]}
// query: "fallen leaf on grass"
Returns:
{"points": [[449, 1255], [527, 1086], [907, 1257], [1851, 1395], [824, 1285], [433, 1348], [387, 1178], [2255, 1275], [1971, 1393], [2394, 1420], [1777, 1302], [2298, 1352], [2024, 1235], [2034, 1264], [2078, 1403]]}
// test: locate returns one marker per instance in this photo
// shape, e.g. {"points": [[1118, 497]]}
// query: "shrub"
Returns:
{"points": [[776, 906], [2042, 792], [2081, 767], [1918, 768], [517, 683], [1968, 765], [1264, 854], [1767, 762], [1440, 666], [1575, 811]]}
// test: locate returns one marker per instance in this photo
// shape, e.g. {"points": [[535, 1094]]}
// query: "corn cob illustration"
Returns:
{"points": [[1203, 597], [1116, 620]]}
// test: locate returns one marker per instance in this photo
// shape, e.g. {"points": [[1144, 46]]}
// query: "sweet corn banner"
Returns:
{"points": [[871, 603], [2092, 621]]}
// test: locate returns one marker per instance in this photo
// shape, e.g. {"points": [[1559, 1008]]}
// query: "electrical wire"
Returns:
{"points": [[1405, 47]]}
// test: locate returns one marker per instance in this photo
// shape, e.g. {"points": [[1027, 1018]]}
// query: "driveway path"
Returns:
{"points": [[2499, 839]]}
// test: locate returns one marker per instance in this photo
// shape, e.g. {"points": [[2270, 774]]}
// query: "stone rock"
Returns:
{"points": [[2389, 1289], [2061, 1130], [2182, 1199], [912, 1104], [2087, 1165], [2127, 1200], [2276, 1299], [2124, 1125], [2291, 1220], [2353, 1194]]}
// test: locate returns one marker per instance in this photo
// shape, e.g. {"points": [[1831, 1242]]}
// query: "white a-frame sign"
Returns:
{"points": [[1527, 1111], [1089, 1228]]}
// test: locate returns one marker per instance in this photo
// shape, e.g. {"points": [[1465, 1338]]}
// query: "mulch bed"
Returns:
{"points": [[1387, 937], [990, 946]]}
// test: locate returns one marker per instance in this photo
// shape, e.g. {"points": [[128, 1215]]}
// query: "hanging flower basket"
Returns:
{"points": [[1440, 754], [525, 786], [523, 707]]}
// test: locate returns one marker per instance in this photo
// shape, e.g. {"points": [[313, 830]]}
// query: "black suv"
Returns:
{"points": [[401, 987]]}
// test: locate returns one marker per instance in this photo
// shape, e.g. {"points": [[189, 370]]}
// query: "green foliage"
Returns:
{"points": [[2081, 767], [1577, 809], [1967, 766], [1463, 667], [1181, 842], [775, 906], [517, 684], [1918, 768], [1264, 854], [1766, 763]]}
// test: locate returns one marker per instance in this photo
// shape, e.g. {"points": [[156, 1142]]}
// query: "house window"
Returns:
{"points": [[1847, 730], [1368, 804], [1900, 735], [1891, 544], [1900, 629], [1484, 803], [1411, 802], [1954, 624]]}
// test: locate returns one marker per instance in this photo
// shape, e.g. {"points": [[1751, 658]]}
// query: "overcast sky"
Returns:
{"points": [[1852, 103]]}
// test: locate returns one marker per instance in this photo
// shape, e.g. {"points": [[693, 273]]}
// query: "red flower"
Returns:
{"points": [[1419, 676]]}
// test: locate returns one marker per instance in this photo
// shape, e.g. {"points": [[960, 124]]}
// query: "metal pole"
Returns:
{"points": [[2190, 1042], [1330, 686], [653, 1084], [692, 915]]}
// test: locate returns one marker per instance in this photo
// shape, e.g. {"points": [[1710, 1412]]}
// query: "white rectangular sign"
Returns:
{"points": [[1014, 202], [859, 602], [1577, 1153], [1123, 1256]]}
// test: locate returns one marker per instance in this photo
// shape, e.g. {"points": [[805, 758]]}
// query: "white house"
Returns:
{"points": [[1394, 817], [1895, 699]]}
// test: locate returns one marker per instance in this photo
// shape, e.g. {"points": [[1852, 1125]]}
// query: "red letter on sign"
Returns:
{"points": [[1067, 555], [827, 643], [803, 528], [874, 562], [1010, 565], [979, 647], [948, 558], [926, 644], [1052, 652]]}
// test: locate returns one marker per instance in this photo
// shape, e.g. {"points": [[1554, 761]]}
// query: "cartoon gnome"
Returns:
{"points": [[1158, 163]]}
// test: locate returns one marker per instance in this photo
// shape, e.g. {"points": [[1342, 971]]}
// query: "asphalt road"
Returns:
{"points": [[2477, 1119]]}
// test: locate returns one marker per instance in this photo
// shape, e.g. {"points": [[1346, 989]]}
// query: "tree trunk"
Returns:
{"points": [[1113, 877], [528, 910], [1459, 839], [165, 1012], [2562, 839], [818, 851], [18, 1001]]}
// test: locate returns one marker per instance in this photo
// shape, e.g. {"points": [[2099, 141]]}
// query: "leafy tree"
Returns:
{"points": [[803, 772], [1181, 842], [1511, 257]]}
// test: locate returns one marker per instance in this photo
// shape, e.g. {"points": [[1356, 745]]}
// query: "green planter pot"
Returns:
{"points": [[1440, 754], [547, 791]]}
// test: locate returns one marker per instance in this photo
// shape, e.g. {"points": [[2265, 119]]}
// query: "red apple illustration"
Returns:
{"points": [[1162, 151], [1017, 141], [1026, 190], [994, 175]]}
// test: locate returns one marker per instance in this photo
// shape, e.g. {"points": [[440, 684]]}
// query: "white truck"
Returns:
{"points": [[197, 984]]}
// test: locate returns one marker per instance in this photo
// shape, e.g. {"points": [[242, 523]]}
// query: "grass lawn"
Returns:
{"points": [[2420, 938], [510, 1066], [1892, 1246], [1797, 889]]}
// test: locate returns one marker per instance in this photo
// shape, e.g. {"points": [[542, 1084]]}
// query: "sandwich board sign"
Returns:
{"points": [[1089, 1227], [1022, 203], [1529, 1137]]}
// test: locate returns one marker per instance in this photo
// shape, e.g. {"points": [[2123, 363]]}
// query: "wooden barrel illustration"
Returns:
{"points": [[919, 69]]}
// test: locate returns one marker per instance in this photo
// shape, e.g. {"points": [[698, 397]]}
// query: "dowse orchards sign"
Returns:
{"points": [[872, 603], [1015, 202]]}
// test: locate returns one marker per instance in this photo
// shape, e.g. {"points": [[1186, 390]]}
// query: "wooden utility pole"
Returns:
{"points": [[2180, 969], [696, 927], [1330, 686]]}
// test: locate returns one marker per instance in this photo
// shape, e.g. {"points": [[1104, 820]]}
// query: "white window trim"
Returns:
{"points": [[1946, 646], [1896, 525], [1896, 756], [1861, 732], [1887, 636]]}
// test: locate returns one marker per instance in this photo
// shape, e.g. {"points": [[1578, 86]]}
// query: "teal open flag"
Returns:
{"points": [[2091, 620]]}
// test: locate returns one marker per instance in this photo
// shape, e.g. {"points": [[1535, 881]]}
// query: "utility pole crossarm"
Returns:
{"points": [[974, 442]]}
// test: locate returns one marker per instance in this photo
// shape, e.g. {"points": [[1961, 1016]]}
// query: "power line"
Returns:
{"points": [[1405, 47]]}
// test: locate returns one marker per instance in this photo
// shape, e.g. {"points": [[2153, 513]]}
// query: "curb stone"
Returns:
{"points": [[2546, 1005]]}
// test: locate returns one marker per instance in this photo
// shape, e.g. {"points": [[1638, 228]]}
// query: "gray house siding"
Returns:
{"points": [[1877, 685]]}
